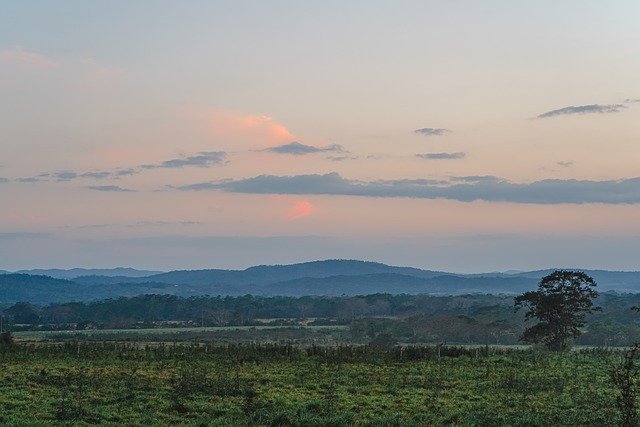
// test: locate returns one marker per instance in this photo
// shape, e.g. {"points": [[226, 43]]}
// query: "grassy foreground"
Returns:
{"points": [[116, 383]]}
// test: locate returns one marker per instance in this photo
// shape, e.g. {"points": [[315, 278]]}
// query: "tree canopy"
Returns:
{"points": [[560, 304]]}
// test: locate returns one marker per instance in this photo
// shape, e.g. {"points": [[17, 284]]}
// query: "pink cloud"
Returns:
{"points": [[257, 130], [300, 209], [19, 56], [97, 75]]}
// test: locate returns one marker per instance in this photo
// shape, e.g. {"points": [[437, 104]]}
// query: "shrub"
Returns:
{"points": [[625, 379], [6, 338]]}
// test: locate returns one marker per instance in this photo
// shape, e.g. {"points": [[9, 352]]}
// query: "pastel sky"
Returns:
{"points": [[456, 135]]}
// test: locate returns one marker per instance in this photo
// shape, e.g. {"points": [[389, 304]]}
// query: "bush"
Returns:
{"points": [[6, 338], [624, 377], [383, 341]]}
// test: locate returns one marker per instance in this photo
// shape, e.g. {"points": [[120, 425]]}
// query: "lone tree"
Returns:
{"points": [[560, 304]]}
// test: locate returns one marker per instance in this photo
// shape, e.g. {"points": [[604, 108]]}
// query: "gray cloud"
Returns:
{"points": [[125, 172], [57, 176], [341, 158], [564, 164], [442, 156], [431, 131], [466, 189], [96, 175], [113, 188], [37, 178], [203, 159], [63, 176], [631, 100], [298, 149], [583, 109], [3, 179]]}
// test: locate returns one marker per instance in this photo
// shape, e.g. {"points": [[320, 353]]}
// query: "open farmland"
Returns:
{"points": [[269, 384]]}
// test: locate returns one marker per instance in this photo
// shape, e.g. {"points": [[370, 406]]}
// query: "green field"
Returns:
{"points": [[115, 383]]}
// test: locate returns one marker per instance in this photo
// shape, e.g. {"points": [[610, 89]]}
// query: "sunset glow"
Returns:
{"points": [[300, 209], [505, 126]]}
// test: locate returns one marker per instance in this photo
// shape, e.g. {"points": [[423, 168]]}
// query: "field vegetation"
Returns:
{"points": [[275, 384], [378, 360]]}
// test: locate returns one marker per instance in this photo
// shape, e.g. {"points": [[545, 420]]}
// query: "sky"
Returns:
{"points": [[462, 136]]}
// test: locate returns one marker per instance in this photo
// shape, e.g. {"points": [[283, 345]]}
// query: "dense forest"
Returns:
{"points": [[481, 319]]}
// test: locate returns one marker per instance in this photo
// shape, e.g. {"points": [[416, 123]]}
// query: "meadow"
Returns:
{"points": [[78, 382]]}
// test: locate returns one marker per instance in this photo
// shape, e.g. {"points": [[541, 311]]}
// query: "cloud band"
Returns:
{"points": [[466, 189]]}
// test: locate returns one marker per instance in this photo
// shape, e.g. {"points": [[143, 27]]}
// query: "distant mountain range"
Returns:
{"points": [[330, 277], [72, 273]]}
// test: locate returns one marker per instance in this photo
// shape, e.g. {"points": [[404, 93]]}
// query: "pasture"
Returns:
{"points": [[275, 384]]}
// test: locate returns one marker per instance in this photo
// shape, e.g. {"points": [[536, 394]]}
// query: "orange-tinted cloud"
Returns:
{"points": [[19, 56], [300, 209], [256, 130]]}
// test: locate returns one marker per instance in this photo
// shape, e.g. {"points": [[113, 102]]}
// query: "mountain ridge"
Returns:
{"points": [[323, 277], [72, 273]]}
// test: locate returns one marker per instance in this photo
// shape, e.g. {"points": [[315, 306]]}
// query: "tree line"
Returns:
{"points": [[484, 319], [243, 310]]}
